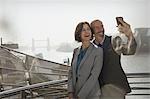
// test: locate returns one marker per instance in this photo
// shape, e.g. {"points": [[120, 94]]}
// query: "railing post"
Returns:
{"points": [[1, 87], [1, 80], [23, 95]]}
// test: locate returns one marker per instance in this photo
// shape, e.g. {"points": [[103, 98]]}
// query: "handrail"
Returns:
{"points": [[142, 82], [28, 87], [138, 94], [138, 75], [13, 69], [34, 72], [52, 69], [140, 88], [59, 74], [138, 84]]}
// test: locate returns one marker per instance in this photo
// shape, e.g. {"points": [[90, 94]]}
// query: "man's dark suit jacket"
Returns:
{"points": [[112, 72]]}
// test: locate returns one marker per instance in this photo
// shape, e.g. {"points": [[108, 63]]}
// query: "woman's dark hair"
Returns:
{"points": [[79, 30]]}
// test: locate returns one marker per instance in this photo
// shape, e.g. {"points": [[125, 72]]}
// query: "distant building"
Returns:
{"points": [[143, 40], [10, 45]]}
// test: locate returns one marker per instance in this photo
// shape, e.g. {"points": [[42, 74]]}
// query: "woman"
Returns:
{"points": [[85, 66]]}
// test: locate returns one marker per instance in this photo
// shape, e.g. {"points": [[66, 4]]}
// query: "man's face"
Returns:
{"points": [[98, 30]]}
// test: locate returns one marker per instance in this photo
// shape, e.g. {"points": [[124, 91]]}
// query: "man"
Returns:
{"points": [[113, 81]]}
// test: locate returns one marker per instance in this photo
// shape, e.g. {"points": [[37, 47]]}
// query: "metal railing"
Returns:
{"points": [[140, 84], [56, 88], [31, 80]]}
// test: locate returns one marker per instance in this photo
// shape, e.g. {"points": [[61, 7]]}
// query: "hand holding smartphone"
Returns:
{"points": [[118, 19], [121, 33]]}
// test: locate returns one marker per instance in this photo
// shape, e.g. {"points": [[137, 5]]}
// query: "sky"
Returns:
{"points": [[24, 20]]}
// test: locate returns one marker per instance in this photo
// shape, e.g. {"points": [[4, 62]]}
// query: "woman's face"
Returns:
{"points": [[86, 33]]}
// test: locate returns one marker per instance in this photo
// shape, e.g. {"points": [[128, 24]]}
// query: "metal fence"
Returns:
{"points": [[52, 89], [140, 84], [19, 71]]}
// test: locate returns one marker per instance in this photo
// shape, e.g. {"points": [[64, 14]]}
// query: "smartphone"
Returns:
{"points": [[117, 19]]}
